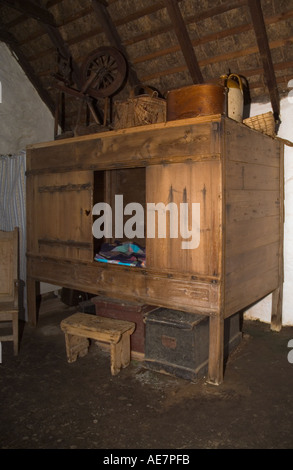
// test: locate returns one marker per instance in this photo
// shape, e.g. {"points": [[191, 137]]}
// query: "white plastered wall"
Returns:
{"points": [[24, 117], [262, 310]]}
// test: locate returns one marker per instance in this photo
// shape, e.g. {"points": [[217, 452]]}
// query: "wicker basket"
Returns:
{"points": [[264, 123], [139, 111]]}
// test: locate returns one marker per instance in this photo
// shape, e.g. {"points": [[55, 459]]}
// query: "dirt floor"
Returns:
{"points": [[46, 403]]}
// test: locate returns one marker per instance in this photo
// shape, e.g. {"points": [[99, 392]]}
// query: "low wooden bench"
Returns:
{"points": [[80, 327]]}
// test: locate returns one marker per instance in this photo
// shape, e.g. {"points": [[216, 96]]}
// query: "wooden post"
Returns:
{"points": [[277, 300], [15, 332], [277, 295], [75, 346], [32, 301], [120, 353], [216, 350], [57, 115]]}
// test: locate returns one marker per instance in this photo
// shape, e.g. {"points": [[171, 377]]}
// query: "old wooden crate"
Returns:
{"points": [[234, 174]]}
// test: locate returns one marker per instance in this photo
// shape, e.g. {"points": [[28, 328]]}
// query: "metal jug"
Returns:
{"points": [[235, 96]]}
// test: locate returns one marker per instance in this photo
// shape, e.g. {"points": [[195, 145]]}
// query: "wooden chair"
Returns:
{"points": [[9, 284]]}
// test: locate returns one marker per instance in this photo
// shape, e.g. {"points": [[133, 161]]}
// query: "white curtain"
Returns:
{"points": [[13, 207]]}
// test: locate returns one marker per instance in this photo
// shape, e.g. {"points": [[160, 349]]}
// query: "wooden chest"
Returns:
{"points": [[232, 176], [177, 342], [122, 310]]}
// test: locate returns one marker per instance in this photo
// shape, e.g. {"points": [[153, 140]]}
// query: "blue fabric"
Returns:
{"points": [[127, 254]]}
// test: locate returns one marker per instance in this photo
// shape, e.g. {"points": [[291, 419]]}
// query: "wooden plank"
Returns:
{"points": [[65, 187], [249, 263], [128, 148], [64, 243], [250, 234], [247, 176], [170, 290], [250, 275], [251, 291], [243, 144], [214, 119], [246, 205]]}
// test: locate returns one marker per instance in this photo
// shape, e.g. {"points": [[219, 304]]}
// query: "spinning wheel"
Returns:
{"points": [[103, 72]]}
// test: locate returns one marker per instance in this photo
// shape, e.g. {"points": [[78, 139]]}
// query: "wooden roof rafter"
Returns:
{"points": [[32, 10], [214, 11], [107, 25], [184, 40], [226, 56], [265, 53]]}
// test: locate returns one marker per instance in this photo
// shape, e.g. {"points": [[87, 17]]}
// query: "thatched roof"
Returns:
{"points": [[167, 44]]}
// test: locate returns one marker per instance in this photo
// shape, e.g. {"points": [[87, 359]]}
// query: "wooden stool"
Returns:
{"points": [[81, 326]]}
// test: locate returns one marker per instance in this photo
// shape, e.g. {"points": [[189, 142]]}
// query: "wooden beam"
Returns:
{"points": [[218, 58], [105, 21], [184, 40], [32, 10], [189, 20], [265, 53], [38, 34], [195, 42], [5, 36], [10, 40], [58, 41]]}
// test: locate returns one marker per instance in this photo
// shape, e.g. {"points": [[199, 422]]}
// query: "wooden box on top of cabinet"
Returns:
{"points": [[232, 174]]}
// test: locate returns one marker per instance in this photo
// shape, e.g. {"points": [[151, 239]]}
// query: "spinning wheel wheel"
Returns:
{"points": [[103, 72]]}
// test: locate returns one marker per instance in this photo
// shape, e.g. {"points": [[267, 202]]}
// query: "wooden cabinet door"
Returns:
{"points": [[60, 215], [197, 182]]}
